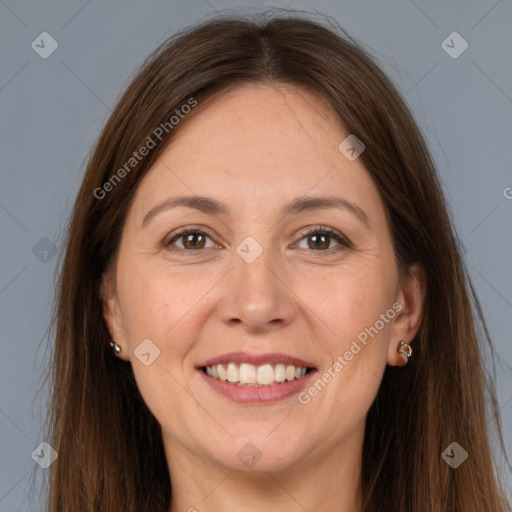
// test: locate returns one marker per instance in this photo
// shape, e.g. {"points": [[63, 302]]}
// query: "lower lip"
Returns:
{"points": [[257, 394]]}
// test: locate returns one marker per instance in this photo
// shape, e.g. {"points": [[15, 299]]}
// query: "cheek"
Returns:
{"points": [[353, 301], [161, 308], [156, 301], [354, 341]]}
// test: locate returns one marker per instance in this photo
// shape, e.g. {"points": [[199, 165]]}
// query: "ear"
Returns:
{"points": [[112, 313], [411, 296]]}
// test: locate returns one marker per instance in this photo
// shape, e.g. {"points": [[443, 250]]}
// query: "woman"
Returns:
{"points": [[262, 303]]}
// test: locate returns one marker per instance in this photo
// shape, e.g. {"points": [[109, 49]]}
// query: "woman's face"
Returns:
{"points": [[271, 278]]}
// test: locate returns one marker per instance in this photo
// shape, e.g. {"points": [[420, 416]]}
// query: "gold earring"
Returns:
{"points": [[405, 350], [115, 347]]}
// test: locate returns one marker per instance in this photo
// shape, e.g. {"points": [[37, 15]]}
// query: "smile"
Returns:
{"points": [[256, 378], [246, 374]]}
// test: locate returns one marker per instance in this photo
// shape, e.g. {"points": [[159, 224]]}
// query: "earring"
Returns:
{"points": [[405, 350], [115, 347]]}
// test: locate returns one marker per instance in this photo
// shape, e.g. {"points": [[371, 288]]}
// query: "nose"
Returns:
{"points": [[257, 296]]}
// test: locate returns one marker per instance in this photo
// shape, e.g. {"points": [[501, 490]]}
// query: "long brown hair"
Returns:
{"points": [[111, 454]]}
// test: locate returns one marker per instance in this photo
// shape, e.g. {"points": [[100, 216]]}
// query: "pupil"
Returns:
{"points": [[322, 239], [192, 239]]}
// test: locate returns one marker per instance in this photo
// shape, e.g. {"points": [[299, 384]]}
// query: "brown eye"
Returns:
{"points": [[191, 240], [319, 240]]}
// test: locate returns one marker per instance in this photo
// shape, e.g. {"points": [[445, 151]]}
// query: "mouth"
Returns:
{"points": [[246, 374], [250, 378]]}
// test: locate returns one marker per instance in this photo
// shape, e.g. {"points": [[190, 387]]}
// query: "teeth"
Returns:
{"points": [[280, 373], [265, 374], [233, 372], [248, 374], [223, 373]]}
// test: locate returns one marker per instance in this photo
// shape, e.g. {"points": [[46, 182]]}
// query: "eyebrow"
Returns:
{"points": [[211, 206]]}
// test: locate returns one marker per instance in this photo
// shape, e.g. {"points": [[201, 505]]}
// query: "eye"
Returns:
{"points": [[192, 239], [319, 239]]}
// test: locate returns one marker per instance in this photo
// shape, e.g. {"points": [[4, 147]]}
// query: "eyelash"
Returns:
{"points": [[321, 230]]}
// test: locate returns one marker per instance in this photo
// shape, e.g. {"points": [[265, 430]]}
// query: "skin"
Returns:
{"points": [[256, 148]]}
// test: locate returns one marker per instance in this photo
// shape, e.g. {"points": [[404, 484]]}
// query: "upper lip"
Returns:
{"points": [[256, 359]]}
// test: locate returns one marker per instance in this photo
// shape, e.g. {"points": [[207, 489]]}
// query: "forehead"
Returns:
{"points": [[261, 124], [256, 142]]}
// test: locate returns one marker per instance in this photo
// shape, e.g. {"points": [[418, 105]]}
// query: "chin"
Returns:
{"points": [[259, 453]]}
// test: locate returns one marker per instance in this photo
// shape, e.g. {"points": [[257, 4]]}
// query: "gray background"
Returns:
{"points": [[52, 110]]}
